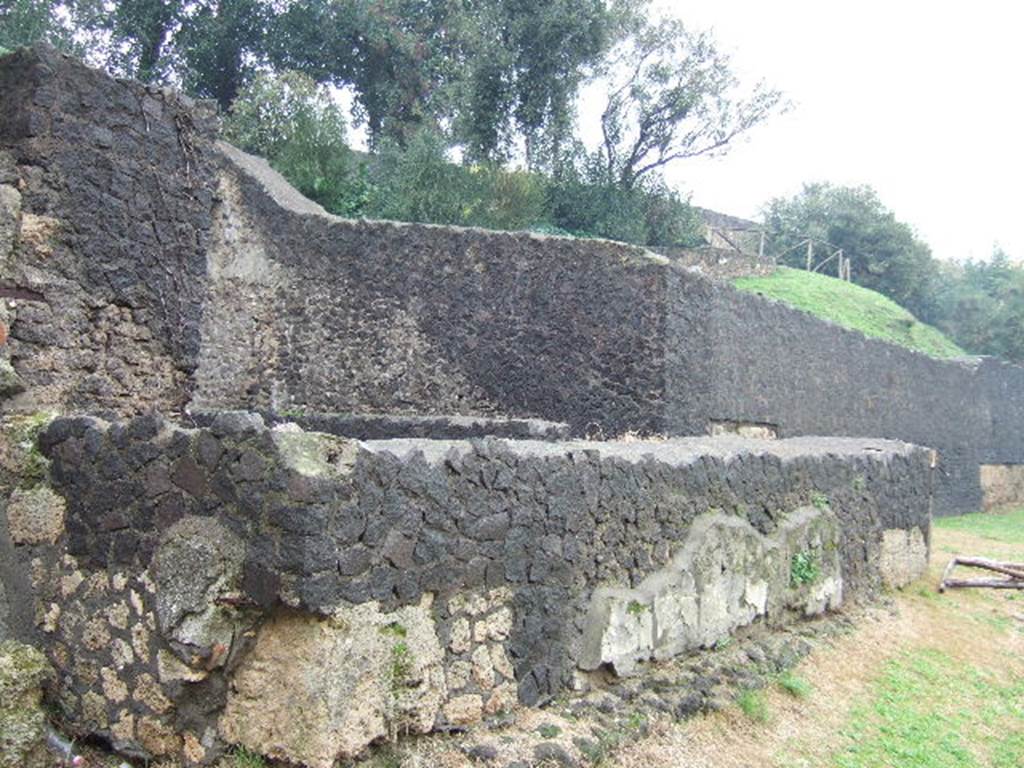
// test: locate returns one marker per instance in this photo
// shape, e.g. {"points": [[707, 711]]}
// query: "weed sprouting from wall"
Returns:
{"points": [[804, 568], [819, 500]]}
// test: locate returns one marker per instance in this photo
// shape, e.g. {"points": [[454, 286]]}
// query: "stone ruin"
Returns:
{"points": [[278, 479]]}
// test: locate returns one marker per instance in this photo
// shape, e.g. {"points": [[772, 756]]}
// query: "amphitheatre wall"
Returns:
{"points": [[178, 557], [156, 268], [197, 587]]}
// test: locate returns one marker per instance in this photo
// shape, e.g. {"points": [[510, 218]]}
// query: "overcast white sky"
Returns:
{"points": [[924, 101]]}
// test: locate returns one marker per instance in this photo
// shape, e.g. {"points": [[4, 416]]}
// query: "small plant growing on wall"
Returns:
{"points": [[244, 758], [399, 674], [819, 500], [636, 608], [804, 568]]}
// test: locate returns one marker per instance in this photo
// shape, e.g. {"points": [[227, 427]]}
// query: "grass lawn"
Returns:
{"points": [[1005, 527], [929, 710], [850, 306]]}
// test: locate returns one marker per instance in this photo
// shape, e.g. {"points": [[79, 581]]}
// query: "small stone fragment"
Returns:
{"points": [[552, 752]]}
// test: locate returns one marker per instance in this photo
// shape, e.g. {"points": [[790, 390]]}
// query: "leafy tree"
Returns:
{"points": [[397, 55], [221, 42], [210, 47], [484, 71], [671, 95], [885, 254], [526, 62], [582, 201], [140, 36], [418, 182], [23, 22], [981, 306], [300, 130]]}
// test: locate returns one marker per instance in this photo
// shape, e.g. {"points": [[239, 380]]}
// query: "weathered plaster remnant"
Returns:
{"points": [[315, 689], [724, 576], [198, 562]]}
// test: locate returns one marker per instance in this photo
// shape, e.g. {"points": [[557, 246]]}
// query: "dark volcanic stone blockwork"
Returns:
{"points": [[150, 269], [776, 365], [116, 190], [311, 311], [378, 317], [1000, 386], [326, 521]]}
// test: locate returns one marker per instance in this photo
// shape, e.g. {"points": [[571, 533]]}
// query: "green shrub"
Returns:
{"points": [[794, 685], [246, 758]]}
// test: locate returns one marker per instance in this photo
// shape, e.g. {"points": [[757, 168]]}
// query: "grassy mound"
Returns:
{"points": [[852, 307]]}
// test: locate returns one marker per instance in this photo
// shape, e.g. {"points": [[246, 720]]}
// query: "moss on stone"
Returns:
{"points": [[22, 464], [10, 383], [23, 670]]}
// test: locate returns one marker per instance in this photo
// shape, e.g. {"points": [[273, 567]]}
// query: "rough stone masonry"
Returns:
{"points": [[144, 265], [200, 577], [306, 595]]}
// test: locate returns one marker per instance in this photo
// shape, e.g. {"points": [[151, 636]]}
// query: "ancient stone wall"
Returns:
{"points": [[181, 578], [614, 341], [777, 366], [105, 197], [309, 311], [189, 274]]}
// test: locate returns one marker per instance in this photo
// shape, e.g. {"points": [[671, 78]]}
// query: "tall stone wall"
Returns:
{"points": [[635, 344], [104, 217], [778, 366], [314, 312], [144, 267], [183, 580]]}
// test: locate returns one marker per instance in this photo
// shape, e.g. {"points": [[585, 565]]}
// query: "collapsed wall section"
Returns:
{"points": [[190, 585]]}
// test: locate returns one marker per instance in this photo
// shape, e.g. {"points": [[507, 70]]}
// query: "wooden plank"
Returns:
{"points": [[991, 565], [981, 583]]}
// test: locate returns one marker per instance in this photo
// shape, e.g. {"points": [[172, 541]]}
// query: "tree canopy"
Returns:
{"points": [[885, 254], [978, 304], [671, 96]]}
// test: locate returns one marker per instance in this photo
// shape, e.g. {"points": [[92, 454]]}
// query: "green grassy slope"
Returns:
{"points": [[852, 307]]}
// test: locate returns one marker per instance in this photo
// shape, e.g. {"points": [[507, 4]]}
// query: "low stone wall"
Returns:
{"points": [[191, 586]]}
